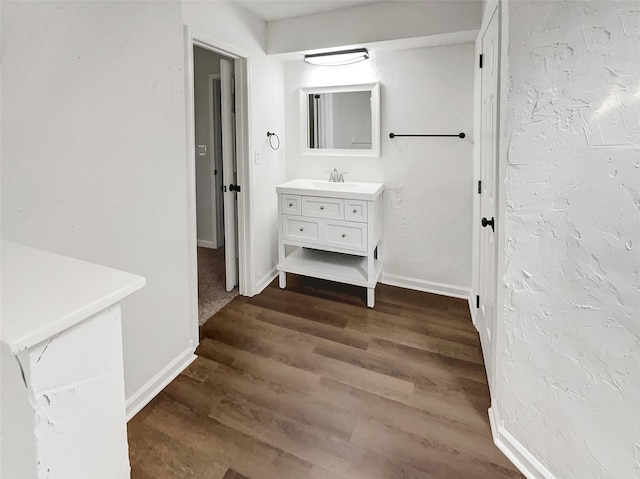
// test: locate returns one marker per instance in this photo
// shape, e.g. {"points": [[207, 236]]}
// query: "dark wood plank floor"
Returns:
{"points": [[308, 383]]}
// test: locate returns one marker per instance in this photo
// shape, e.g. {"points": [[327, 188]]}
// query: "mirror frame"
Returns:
{"points": [[373, 152]]}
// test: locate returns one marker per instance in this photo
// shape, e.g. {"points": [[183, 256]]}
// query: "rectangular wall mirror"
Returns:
{"points": [[341, 120]]}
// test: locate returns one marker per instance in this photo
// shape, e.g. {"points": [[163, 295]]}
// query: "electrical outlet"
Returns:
{"points": [[202, 150], [280, 155], [257, 158]]}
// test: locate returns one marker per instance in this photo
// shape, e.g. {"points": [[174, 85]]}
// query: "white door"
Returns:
{"points": [[488, 199], [229, 173]]}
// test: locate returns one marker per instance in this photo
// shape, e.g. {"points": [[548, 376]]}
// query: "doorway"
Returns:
{"points": [[216, 125], [216, 169]]}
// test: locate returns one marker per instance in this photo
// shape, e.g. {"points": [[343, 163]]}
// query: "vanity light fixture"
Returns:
{"points": [[344, 57]]}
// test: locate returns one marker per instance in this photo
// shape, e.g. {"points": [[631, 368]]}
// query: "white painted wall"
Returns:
{"points": [[93, 155], [381, 21], [569, 337], [205, 63], [233, 25], [428, 181]]}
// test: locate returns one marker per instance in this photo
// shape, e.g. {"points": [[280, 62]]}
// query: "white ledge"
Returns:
{"points": [[353, 190], [45, 293]]}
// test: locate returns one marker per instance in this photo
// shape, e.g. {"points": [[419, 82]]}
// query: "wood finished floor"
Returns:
{"points": [[308, 383]]}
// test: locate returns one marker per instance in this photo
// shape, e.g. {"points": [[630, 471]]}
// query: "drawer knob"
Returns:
{"points": [[354, 210], [290, 205], [344, 235], [322, 207], [301, 229]]}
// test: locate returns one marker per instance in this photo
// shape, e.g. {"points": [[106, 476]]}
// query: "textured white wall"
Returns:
{"points": [[93, 154], [569, 345], [428, 181], [228, 22]]}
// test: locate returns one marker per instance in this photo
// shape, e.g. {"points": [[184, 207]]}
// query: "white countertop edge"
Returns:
{"points": [[44, 293], [291, 188], [55, 327], [329, 194]]}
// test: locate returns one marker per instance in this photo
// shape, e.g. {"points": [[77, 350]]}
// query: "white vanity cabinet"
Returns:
{"points": [[331, 231]]}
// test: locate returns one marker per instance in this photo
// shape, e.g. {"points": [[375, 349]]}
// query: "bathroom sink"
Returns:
{"points": [[355, 190]]}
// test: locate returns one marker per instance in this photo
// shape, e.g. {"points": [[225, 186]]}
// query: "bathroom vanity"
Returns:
{"points": [[331, 231]]}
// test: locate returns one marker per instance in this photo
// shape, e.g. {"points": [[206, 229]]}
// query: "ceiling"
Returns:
{"points": [[270, 10]]}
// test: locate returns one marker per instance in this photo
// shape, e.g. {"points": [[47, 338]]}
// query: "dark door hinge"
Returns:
{"points": [[480, 61], [479, 186], [477, 301]]}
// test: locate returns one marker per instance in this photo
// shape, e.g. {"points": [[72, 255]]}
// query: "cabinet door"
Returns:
{"points": [[291, 204], [344, 235], [356, 210], [303, 230]]}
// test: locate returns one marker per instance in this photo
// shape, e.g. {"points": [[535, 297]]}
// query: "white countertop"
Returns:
{"points": [[354, 190], [45, 293]]}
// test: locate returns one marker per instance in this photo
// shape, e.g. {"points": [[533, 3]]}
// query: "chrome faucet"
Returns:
{"points": [[335, 176]]}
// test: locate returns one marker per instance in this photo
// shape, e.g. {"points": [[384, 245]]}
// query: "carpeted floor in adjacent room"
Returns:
{"points": [[212, 296]]}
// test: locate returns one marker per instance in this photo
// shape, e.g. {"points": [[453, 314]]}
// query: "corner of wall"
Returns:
{"points": [[158, 382], [265, 281], [526, 463], [472, 308]]}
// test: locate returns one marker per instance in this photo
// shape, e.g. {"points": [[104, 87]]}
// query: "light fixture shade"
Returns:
{"points": [[344, 57]]}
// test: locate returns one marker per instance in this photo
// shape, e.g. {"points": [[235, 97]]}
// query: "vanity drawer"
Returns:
{"points": [[356, 210], [341, 234], [291, 204], [320, 207], [296, 228]]}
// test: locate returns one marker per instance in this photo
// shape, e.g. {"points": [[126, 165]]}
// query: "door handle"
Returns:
{"points": [[486, 222], [234, 188]]}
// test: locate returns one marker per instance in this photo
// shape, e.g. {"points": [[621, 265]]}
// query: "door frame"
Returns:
{"points": [[242, 64], [493, 7]]}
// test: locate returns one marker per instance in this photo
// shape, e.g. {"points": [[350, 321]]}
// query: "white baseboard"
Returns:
{"points": [[473, 309], [426, 286], [526, 463], [207, 244], [265, 281], [148, 391]]}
